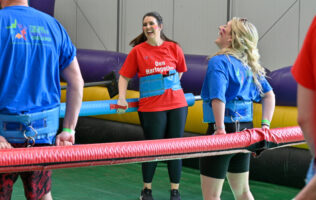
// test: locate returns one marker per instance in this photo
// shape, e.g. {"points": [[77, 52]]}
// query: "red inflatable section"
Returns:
{"points": [[43, 158]]}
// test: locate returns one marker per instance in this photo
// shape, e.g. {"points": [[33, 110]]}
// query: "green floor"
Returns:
{"points": [[123, 182]]}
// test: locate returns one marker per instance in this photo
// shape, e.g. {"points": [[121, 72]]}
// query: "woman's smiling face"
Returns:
{"points": [[151, 28]]}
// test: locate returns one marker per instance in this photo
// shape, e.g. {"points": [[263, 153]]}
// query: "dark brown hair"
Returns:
{"points": [[142, 38]]}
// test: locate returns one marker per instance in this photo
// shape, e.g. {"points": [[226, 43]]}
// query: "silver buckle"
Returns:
{"points": [[30, 140]]}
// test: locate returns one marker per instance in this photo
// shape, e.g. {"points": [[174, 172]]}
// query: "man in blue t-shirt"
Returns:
{"points": [[35, 51]]}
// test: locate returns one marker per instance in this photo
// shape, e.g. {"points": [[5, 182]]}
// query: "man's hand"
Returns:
{"points": [[4, 144], [220, 132], [65, 139]]}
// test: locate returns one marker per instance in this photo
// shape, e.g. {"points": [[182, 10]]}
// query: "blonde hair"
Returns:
{"points": [[244, 47]]}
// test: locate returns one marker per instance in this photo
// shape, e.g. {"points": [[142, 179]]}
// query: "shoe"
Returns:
{"points": [[146, 194], [175, 195]]}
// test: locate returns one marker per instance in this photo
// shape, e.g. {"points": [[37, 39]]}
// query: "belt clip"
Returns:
{"points": [[237, 123], [30, 140]]}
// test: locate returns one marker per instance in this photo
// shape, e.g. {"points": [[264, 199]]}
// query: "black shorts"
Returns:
{"points": [[36, 183], [217, 166]]}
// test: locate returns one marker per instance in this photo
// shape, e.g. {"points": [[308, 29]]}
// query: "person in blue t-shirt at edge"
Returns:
{"points": [[234, 79], [35, 51]]}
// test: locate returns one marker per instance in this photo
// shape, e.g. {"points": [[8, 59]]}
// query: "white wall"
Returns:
{"points": [[281, 24], [91, 24], [278, 43], [307, 12], [112, 24], [196, 22]]}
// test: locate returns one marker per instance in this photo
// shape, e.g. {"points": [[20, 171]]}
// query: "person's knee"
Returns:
{"points": [[244, 195], [241, 191], [211, 187], [212, 197]]}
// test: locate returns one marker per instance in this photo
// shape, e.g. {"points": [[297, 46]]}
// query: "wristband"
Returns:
{"points": [[219, 127], [68, 130], [266, 122], [262, 124]]}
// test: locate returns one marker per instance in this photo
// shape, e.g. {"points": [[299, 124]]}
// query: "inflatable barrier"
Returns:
{"points": [[286, 166], [95, 64]]}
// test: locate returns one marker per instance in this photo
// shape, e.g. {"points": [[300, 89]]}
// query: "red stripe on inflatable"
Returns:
{"points": [[42, 158], [130, 105]]}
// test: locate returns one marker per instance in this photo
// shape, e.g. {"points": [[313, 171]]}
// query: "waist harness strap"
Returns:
{"points": [[236, 110], [154, 85], [33, 126]]}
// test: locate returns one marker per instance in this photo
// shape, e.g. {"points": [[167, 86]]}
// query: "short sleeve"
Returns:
{"points": [[67, 50], [216, 80], [129, 68], [303, 69], [266, 87], [181, 64]]}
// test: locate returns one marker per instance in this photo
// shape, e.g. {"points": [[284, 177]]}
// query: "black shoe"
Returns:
{"points": [[146, 194], [175, 195]]}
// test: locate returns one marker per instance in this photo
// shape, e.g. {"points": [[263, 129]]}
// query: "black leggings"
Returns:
{"points": [[159, 125], [217, 166]]}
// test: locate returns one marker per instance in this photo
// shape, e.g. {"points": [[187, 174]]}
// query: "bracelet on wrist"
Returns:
{"points": [[219, 127], [263, 124], [68, 130], [266, 122]]}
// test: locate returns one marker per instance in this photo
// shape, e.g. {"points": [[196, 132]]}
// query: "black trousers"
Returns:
{"points": [[159, 125]]}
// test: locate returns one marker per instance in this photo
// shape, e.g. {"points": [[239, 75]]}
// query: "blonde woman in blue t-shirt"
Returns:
{"points": [[234, 79]]}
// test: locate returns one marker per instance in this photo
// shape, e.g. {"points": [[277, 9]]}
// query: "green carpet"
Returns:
{"points": [[124, 182]]}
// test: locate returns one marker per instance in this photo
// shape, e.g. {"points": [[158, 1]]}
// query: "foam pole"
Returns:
{"points": [[106, 107], [44, 158]]}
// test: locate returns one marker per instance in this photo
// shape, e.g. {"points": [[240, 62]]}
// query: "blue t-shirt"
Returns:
{"points": [[34, 48], [228, 79]]}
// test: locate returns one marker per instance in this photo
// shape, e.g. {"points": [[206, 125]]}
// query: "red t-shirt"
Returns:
{"points": [[304, 69], [146, 60]]}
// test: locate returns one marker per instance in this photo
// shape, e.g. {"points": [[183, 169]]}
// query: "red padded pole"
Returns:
{"points": [[43, 158]]}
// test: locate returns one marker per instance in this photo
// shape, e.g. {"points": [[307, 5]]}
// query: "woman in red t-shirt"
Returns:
{"points": [[159, 63]]}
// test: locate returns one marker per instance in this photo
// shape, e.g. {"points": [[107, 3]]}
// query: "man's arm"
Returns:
{"points": [[72, 76], [305, 105]]}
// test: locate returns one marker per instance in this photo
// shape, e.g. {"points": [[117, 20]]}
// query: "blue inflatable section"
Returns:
{"points": [[106, 107]]}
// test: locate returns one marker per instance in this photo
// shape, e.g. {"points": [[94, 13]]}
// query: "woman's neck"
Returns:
{"points": [[155, 42], [15, 3]]}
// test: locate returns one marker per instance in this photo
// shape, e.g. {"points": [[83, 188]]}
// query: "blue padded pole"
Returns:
{"points": [[89, 108], [190, 99]]}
